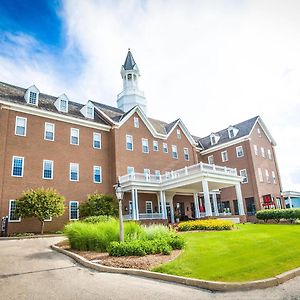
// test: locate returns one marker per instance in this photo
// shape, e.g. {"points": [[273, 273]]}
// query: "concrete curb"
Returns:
{"points": [[37, 236], [204, 284]]}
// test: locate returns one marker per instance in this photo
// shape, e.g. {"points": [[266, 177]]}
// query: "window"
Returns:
{"points": [[12, 217], [147, 174], [165, 148], [260, 175], [224, 156], [96, 140], [231, 133], [174, 152], [74, 172], [186, 154], [258, 132], [129, 142], [149, 209], [73, 210], [145, 146], [130, 170], [212, 140], [20, 128], [274, 177], [157, 175], [97, 174], [155, 146], [136, 122], [267, 176], [255, 150], [17, 166], [210, 159], [178, 134], [47, 169], [49, 132], [243, 173], [90, 112], [269, 154], [239, 151], [74, 136], [32, 98], [262, 152], [168, 174], [63, 105]]}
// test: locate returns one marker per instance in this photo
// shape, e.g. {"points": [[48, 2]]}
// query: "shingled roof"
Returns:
{"points": [[244, 130], [129, 61]]}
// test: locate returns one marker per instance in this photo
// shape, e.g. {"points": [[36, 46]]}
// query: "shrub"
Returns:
{"points": [[97, 219], [290, 214], [99, 205], [156, 232], [206, 225]]}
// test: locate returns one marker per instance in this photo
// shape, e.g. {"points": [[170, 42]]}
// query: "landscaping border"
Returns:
{"points": [[204, 284]]}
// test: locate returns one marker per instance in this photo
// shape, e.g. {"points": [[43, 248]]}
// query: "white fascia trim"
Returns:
{"points": [[265, 129], [225, 145], [53, 116]]}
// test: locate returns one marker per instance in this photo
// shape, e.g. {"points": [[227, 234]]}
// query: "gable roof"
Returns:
{"points": [[244, 128]]}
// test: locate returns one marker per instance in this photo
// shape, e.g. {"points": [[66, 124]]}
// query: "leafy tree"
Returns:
{"points": [[41, 204], [98, 204]]}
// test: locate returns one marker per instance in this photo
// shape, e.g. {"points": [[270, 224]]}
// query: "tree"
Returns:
{"points": [[98, 204], [41, 204]]}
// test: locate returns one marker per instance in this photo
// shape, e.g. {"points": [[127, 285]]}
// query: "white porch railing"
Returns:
{"points": [[181, 173], [145, 216]]}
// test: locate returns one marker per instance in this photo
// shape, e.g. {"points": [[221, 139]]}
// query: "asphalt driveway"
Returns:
{"points": [[29, 269]]}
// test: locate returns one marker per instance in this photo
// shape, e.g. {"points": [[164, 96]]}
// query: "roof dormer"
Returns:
{"points": [[62, 103], [32, 95], [88, 110], [232, 131], [214, 138]]}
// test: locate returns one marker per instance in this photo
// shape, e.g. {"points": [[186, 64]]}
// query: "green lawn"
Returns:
{"points": [[254, 251]]}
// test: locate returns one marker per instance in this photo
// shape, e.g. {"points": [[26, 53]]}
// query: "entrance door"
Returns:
{"points": [[193, 210], [235, 207]]}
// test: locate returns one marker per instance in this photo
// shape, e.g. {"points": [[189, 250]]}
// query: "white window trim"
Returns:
{"points": [[149, 202], [48, 220], [165, 146], [100, 174], [269, 154], [223, 160], [263, 153], [60, 106], [178, 133], [100, 139], [237, 151], [155, 142], [128, 135], [130, 168], [71, 136], [136, 122], [267, 176], [70, 210], [77, 172], [47, 123], [52, 169], [255, 148], [145, 140], [187, 152], [148, 173], [274, 177], [260, 175], [208, 159], [174, 147], [25, 131], [244, 170], [12, 166], [9, 210]]}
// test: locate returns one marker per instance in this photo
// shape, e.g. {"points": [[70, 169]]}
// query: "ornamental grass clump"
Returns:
{"points": [[206, 225]]}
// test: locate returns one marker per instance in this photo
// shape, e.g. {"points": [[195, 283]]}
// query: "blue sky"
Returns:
{"points": [[211, 63]]}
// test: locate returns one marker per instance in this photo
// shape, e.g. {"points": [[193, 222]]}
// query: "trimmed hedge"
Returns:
{"points": [[205, 225], [144, 247], [290, 214]]}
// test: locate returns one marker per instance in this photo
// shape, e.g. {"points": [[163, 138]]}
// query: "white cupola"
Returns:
{"points": [[131, 95]]}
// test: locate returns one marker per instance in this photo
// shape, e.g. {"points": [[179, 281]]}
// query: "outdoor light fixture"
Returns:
{"points": [[119, 195]]}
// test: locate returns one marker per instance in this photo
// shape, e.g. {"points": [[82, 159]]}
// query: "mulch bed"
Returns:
{"points": [[147, 262]]}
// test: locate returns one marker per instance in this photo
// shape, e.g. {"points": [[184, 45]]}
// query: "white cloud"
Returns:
{"points": [[212, 63]]}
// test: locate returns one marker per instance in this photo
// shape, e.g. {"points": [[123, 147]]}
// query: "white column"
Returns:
{"points": [[207, 205], [196, 205], [215, 203], [169, 198], [133, 204], [164, 207], [290, 202], [136, 205], [161, 200], [158, 202], [240, 199]]}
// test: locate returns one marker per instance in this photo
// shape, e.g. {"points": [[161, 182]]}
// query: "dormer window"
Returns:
{"points": [[232, 132], [63, 105], [32, 95], [90, 112], [214, 138]]}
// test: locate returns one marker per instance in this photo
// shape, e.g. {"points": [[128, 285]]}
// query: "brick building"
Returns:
{"points": [[165, 172]]}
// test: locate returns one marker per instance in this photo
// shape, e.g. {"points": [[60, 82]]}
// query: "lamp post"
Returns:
{"points": [[119, 194]]}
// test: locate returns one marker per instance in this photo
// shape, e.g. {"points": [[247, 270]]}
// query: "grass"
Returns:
{"points": [[254, 251]]}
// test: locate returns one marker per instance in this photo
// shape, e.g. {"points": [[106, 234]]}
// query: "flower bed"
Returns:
{"points": [[205, 225]]}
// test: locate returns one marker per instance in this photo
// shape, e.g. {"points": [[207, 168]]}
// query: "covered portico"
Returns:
{"points": [[199, 180]]}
